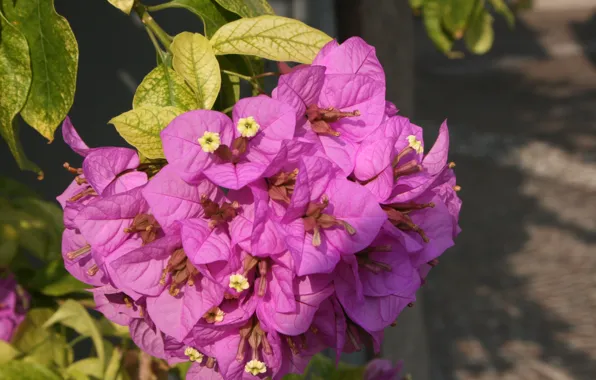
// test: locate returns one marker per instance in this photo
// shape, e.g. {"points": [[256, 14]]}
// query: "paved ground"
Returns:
{"points": [[516, 299]]}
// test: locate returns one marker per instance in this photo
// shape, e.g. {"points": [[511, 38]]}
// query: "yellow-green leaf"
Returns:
{"points": [[272, 37], [15, 76], [194, 60], [41, 345], [247, 8], [124, 5], [163, 87], [26, 371], [88, 366], [54, 61], [73, 314], [7, 352], [480, 35], [141, 126]]}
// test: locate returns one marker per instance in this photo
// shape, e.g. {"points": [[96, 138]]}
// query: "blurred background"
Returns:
{"points": [[516, 297]]}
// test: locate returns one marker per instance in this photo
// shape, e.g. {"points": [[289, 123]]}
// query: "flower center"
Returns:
{"points": [[247, 126], [181, 270], [255, 367], [146, 226], [320, 118], [238, 282], [315, 220], [193, 354], [215, 314], [218, 214], [398, 216], [415, 144], [209, 142], [281, 185]]}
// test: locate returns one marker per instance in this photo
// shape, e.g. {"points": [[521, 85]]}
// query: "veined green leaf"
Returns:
{"points": [[503, 9], [26, 371], [124, 5], [141, 126], [212, 15], [54, 61], [480, 35], [194, 60], [41, 345], [7, 352], [73, 314], [15, 76], [163, 87], [271, 37], [247, 8]]}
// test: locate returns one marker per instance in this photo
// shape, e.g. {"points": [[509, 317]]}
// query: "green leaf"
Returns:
{"points": [[12, 189], [9, 243], [7, 352], [41, 345], [114, 365], [182, 369], [26, 371], [164, 87], [271, 37], [54, 61], [38, 225], [88, 366], [15, 76], [74, 315], [503, 9], [432, 22], [109, 328], [247, 8], [415, 4], [141, 126], [480, 34], [212, 15], [456, 16], [124, 5], [194, 60], [53, 280]]}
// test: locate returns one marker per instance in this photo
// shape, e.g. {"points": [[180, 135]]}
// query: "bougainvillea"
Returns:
{"points": [[306, 220], [13, 305]]}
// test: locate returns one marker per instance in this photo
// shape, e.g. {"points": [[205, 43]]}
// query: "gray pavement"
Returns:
{"points": [[516, 298]]}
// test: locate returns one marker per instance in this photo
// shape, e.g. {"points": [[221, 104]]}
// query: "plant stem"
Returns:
{"points": [[160, 53], [245, 77], [76, 340], [149, 22], [267, 74], [159, 7]]}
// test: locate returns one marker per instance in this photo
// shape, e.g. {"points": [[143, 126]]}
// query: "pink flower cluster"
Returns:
{"points": [[14, 302], [307, 220]]}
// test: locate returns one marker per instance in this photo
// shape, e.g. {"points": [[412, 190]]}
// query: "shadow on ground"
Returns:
{"points": [[513, 298]]}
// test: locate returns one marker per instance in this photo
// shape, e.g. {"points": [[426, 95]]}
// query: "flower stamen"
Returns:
{"points": [[247, 126], [209, 142]]}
